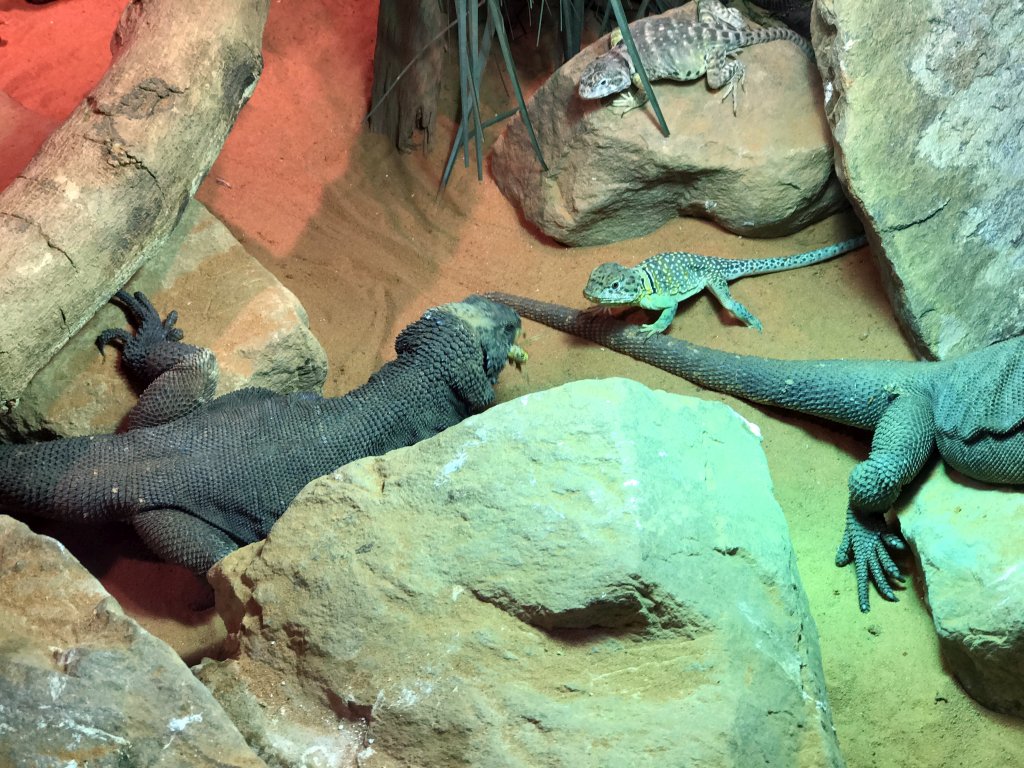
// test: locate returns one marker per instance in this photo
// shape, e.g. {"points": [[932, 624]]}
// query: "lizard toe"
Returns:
{"points": [[866, 543]]}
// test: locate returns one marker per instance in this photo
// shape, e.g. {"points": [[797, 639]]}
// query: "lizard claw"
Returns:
{"points": [[867, 543], [141, 313], [150, 331]]}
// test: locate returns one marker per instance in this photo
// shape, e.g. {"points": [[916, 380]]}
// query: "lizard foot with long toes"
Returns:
{"points": [[142, 349], [866, 543]]}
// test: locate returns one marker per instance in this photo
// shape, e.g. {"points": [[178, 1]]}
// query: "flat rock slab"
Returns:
{"points": [[926, 103], [226, 300], [82, 684], [967, 538], [764, 173], [550, 583]]}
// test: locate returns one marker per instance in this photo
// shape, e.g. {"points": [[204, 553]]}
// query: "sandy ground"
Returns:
{"points": [[359, 234]]}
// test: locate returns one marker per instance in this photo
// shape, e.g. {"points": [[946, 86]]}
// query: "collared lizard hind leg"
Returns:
{"points": [[713, 12], [720, 288]]}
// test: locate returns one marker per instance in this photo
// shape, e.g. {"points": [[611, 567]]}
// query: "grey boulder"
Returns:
{"points": [[550, 583]]}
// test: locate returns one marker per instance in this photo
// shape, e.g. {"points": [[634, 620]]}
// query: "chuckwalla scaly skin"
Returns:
{"points": [[200, 476], [665, 279], [677, 47], [970, 408]]}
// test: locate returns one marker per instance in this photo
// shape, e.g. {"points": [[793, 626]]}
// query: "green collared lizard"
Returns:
{"points": [[664, 280], [673, 46]]}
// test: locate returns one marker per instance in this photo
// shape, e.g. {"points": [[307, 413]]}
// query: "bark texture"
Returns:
{"points": [[109, 185], [407, 32]]}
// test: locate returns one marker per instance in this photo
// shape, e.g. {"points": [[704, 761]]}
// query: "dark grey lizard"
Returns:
{"points": [[970, 408], [200, 476]]}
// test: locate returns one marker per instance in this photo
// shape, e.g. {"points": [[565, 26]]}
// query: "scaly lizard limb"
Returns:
{"points": [[970, 408]]}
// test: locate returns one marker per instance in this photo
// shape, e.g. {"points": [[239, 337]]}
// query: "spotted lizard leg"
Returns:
{"points": [[720, 288], [713, 12], [662, 323], [902, 442], [724, 70], [627, 101]]}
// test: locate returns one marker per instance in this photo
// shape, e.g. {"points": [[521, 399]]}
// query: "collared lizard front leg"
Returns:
{"points": [[627, 101], [662, 323], [903, 440], [724, 70]]}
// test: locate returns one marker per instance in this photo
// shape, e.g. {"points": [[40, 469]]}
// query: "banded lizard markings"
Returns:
{"points": [[665, 279], [674, 47]]}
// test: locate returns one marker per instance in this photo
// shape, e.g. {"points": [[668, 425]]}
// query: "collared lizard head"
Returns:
{"points": [[604, 76], [613, 283]]}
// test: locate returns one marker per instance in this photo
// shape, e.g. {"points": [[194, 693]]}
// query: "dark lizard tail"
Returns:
{"points": [[847, 391], [52, 479]]}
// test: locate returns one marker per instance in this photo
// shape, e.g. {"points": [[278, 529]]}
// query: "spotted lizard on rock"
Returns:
{"points": [[970, 408], [199, 476], [674, 46], [664, 280]]}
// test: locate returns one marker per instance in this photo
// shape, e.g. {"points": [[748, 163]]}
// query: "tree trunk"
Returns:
{"points": [[407, 32], [109, 185]]}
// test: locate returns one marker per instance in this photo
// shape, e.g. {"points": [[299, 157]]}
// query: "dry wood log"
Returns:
{"points": [[109, 185], [407, 32]]}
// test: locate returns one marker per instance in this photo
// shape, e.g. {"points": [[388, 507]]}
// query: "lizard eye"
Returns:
{"points": [[615, 285]]}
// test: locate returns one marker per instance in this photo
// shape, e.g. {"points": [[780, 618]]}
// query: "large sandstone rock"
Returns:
{"points": [[550, 583], [226, 300], [81, 684], [925, 106], [967, 538], [764, 173]]}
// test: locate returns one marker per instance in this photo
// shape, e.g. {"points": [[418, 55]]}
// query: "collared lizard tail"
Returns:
{"points": [[737, 268], [768, 34], [854, 392]]}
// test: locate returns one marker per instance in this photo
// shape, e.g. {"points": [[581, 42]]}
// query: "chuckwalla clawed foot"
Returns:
{"points": [[866, 543], [149, 329], [149, 350]]}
